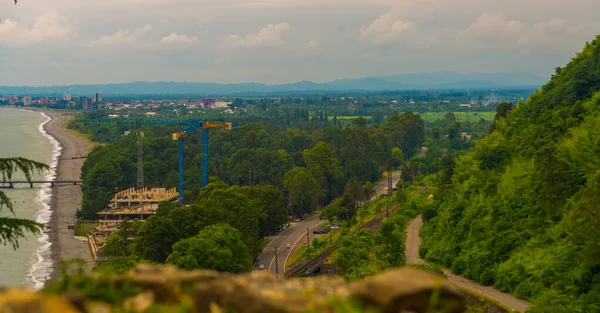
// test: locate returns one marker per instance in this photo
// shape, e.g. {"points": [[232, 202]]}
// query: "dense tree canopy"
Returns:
{"points": [[250, 154], [520, 210], [219, 247]]}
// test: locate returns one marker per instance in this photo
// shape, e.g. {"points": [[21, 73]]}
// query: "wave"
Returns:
{"points": [[42, 268]]}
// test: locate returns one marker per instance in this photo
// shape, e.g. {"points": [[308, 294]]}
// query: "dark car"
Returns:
{"points": [[321, 231]]}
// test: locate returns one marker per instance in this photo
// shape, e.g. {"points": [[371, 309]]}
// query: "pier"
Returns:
{"points": [[11, 184]]}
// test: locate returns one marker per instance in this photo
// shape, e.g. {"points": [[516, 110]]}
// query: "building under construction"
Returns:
{"points": [[131, 204], [135, 204]]}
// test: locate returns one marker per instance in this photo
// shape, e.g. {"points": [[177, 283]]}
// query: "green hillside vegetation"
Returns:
{"points": [[520, 210]]}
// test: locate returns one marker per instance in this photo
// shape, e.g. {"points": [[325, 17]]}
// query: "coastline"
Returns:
{"points": [[66, 199]]}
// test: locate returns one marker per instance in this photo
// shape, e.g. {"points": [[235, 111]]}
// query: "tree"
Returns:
{"points": [[221, 204], [302, 188], [369, 189], [325, 168], [391, 239], [397, 157], [155, 239], [353, 254], [377, 118], [450, 117], [117, 243], [272, 204], [502, 111], [12, 229], [359, 121], [218, 247]]}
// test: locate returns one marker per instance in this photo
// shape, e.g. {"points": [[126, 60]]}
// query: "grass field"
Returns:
{"points": [[83, 228], [460, 116], [433, 116]]}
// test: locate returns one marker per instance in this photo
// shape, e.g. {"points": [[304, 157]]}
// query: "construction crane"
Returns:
{"points": [[192, 125], [140, 174]]}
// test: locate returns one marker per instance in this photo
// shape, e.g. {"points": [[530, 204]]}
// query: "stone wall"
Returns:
{"points": [[167, 289]]}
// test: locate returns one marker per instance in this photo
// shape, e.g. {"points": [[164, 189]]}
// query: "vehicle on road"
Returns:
{"points": [[288, 246], [321, 231], [261, 267]]}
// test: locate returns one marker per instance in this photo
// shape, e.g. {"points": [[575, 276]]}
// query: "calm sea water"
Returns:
{"points": [[21, 134]]}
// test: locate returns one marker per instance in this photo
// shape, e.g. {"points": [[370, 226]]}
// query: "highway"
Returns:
{"points": [[295, 233], [292, 236]]}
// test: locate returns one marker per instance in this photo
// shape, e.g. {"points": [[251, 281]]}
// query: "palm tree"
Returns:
{"points": [[11, 229]]}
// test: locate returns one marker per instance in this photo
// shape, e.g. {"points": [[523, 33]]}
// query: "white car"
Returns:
{"points": [[288, 246]]}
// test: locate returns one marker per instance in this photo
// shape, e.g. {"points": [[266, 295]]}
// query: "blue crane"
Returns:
{"points": [[192, 125]]}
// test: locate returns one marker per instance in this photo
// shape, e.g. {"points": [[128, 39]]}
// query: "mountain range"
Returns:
{"points": [[423, 81]]}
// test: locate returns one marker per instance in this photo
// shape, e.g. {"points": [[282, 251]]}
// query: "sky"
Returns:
{"points": [[61, 42]]}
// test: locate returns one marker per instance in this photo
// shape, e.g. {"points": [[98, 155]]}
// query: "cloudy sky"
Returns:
{"points": [[55, 42]]}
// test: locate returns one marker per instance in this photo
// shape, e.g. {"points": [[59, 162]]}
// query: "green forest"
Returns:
{"points": [[520, 210], [261, 171]]}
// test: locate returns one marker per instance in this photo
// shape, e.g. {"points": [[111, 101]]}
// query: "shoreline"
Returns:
{"points": [[66, 199]]}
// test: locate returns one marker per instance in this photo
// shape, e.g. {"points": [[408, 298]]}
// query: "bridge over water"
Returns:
{"points": [[11, 184]]}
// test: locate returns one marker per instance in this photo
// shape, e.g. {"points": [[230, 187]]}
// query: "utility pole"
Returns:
{"points": [[330, 235], [276, 263], [387, 202], [358, 254], [308, 242]]}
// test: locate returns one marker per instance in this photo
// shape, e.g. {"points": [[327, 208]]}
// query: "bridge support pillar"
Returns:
{"points": [[30, 185]]}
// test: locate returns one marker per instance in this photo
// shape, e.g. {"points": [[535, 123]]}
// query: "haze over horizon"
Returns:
{"points": [[67, 42]]}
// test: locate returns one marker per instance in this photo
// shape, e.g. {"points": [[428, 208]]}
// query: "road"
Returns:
{"points": [[381, 187], [413, 242], [292, 236], [295, 233]]}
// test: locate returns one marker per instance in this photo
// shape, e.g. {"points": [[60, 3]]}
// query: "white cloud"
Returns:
{"points": [[314, 44], [268, 36], [385, 29], [495, 31], [175, 39], [46, 28], [121, 37]]}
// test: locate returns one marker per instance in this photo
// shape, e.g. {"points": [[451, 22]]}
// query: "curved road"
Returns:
{"points": [[291, 236], [295, 233], [413, 242]]}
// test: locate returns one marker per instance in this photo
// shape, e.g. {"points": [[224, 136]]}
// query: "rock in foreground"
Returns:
{"points": [[167, 289]]}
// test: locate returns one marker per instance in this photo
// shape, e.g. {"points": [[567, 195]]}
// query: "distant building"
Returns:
{"points": [[221, 104], [26, 100], [67, 97], [86, 103], [43, 101], [208, 101], [97, 97]]}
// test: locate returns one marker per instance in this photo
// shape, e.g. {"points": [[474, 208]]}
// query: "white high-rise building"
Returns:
{"points": [[98, 97], [26, 100]]}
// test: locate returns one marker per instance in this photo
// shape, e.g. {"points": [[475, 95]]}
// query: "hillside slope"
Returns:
{"points": [[521, 210]]}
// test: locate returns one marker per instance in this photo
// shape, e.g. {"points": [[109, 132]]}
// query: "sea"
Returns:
{"points": [[22, 135]]}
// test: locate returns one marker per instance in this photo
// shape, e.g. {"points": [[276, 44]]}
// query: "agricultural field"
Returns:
{"points": [[460, 116]]}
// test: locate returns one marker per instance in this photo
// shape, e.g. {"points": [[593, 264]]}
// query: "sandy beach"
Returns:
{"points": [[66, 199]]}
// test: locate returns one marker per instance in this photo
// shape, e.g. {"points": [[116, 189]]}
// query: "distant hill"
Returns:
{"points": [[424, 81]]}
